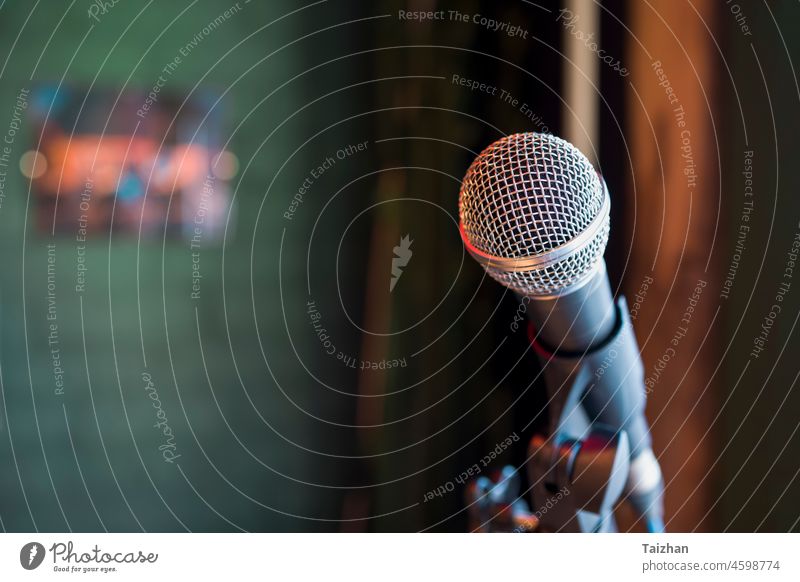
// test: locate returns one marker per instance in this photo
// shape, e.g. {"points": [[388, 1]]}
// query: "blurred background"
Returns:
{"points": [[233, 294]]}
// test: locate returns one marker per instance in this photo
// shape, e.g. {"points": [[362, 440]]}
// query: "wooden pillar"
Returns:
{"points": [[671, 219]]}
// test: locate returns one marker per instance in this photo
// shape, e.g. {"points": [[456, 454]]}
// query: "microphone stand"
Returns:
{"points": [[581, 467], [594, 396]]}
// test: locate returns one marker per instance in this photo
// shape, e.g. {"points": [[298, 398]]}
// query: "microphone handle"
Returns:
{"points": [[577, 321], [587, 326]]}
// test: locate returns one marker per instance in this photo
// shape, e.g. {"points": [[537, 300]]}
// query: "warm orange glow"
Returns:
{"points": [[104, 159]]}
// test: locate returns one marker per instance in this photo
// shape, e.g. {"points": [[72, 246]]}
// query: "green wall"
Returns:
{"points": [[88, 459]]}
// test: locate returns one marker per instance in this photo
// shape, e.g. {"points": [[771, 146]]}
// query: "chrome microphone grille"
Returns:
{"points": [[535, 214]]}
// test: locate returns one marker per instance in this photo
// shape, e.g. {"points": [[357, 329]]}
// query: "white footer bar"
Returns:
{"points": [[402, 557]]}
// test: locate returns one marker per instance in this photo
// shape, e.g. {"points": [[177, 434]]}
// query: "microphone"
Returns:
{"points": [[535, 214]]}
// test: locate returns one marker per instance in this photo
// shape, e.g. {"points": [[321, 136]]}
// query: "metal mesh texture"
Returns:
{"points": [[525, 195]]}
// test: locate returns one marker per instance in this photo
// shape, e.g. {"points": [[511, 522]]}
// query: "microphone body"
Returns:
{"points": [[535, 214]]}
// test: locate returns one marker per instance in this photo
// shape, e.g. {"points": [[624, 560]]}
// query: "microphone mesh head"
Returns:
{"points": [[534, 212]]}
